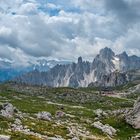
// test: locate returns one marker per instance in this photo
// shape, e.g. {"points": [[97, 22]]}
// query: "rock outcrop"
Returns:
{"points": [[133, 117], [137, 137], [44, 116], [4, 137], [105, 128], [7, 110], [100, 113]]}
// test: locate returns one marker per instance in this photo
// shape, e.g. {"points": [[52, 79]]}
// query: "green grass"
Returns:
{"points": [[30, 102], [124, 87], [46, 128], [21, 136], [124, 130]]}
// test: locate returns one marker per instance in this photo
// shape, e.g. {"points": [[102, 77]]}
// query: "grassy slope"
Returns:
{"points": [[31, 104]]}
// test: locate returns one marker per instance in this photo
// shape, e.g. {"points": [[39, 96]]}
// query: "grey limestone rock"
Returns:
{"points": [[133, 117]]}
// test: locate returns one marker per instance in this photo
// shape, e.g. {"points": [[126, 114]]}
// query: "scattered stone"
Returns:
{"points": [[71, 116], [76, 132], [59, 114], [18, 122], [119, 112], [18, 127], [100, 113], [16, 97], [137, 137], [73, 132], [75, 138], [53, 138], [3, 137], [105, 128], [20, 115], [96, 119], [44, 116]]}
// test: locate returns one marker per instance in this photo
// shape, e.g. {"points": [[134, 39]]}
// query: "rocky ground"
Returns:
{"points": [[41, 113]]}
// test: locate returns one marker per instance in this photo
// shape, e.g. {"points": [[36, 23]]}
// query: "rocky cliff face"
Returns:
{"points": [[112, 79], [107, 69]]}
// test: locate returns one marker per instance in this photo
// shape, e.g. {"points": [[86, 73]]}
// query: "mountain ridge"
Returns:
{"points": [[83, 73], [8, 71]]}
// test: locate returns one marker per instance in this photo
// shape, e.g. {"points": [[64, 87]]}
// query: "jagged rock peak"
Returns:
{"points": [[106, 52], [80, 60], [124, 54], [81, 74]]}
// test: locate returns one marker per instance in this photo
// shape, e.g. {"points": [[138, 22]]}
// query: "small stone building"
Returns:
{"points": [[106, 91]]}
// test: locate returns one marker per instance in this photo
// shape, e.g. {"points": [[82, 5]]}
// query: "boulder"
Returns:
{"points": [[16, 127], [7, 110], [18, 121], [133, 116], [44, 116], [136, 137], [100, 113], [53, 138], [105, 128], [59, 114], [3, 137]]}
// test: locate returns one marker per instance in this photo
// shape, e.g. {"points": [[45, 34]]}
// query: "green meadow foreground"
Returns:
{"points": [[41, 113]]}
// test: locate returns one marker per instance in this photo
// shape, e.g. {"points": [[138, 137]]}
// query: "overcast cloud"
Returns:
{"points": [[66, 29]]}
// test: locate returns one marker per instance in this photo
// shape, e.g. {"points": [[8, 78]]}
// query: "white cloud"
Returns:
{"points": [[81, 28], [52, 6], [4, 31], [28, 8], [88, 5], [129, 41]]}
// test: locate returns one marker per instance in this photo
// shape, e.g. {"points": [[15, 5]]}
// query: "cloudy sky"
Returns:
{"points": [[66, 29]]}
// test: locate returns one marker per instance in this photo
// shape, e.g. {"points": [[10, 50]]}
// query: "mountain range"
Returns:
{"points": [[8, 71], [106, 69]]}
